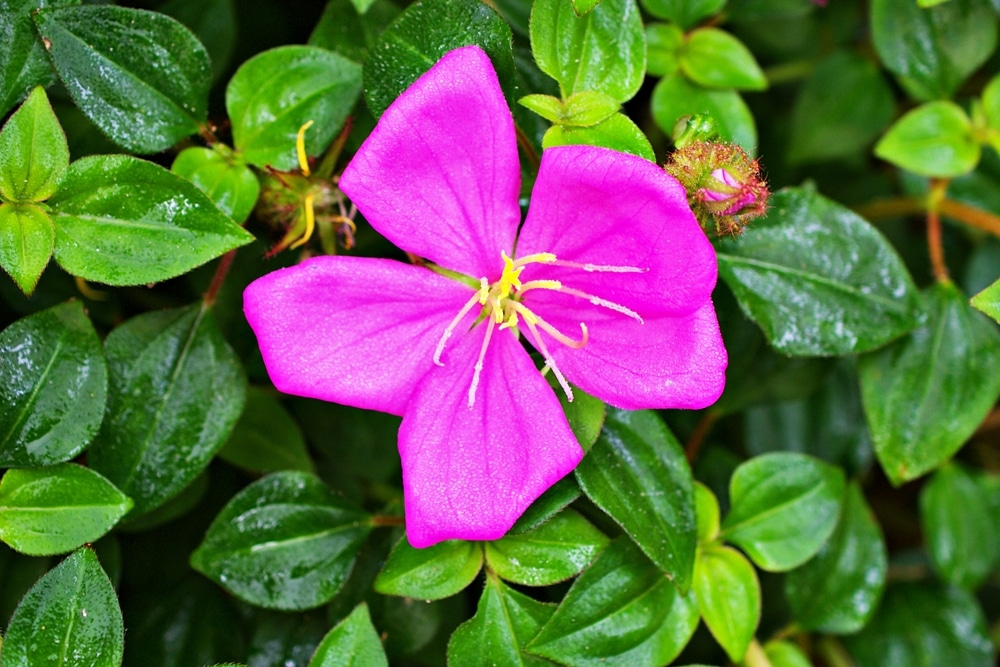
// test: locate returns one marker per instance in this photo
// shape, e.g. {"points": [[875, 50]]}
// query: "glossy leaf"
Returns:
{"points": [[935, 139], [621, 590], [504, 622], [278, 91], [226, 181], [925, 394], [923, 623], [707, 510], [422, 34], [433, 573], [23, 61], [285, 639], [69, 618], [663, 45], [959, 530], [555, 551], [716, 59], [588, 108], [284, 542], [784, 507], [674, 97], [550, 503], [838, 591], [933, 50], [617, 132], [637, 473], [124, 221], [140, 76], [53, 383], [988, 301], [53, 510], [784, 653], [728, 594], [176, 389], [266, 438], [343, 29], [584, 413], [603, 51], [33, 151], [27, 238], [818, 279], [685, 13], [351, 643]]}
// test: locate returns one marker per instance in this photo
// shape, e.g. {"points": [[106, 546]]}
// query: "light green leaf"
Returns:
{"points": [[27, 238], [433, 573], [684, 13], [33, 151], [351, 643], [664, 42], [935, 139], [728, 594], [674, 97], [227, 181], [617, 132], [713, 58]]}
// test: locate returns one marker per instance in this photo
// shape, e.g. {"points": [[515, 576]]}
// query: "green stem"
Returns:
{"points": [[755, 656], [833, 653]]}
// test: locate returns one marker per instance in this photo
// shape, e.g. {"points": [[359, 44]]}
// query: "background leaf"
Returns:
{"points": [[716, 59], [935, 139], [226, 180], [266, 438], [352, 643], [685, 13], [674, 96], [23, 61]]}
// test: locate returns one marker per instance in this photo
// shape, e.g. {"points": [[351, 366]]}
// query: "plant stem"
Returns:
{"points": [[525, 144], [220, 276], [934, 244], [697, 438], [833, 653], [383, 520], [970, 215], [755, 656]]}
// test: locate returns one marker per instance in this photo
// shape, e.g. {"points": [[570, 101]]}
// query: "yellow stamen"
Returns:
{"points": [[511, 276], [300, 149], [310, 220]]}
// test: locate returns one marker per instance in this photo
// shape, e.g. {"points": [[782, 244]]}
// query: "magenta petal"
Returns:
{"points": [[469, 473], [352, 330], [439, 175], [597, 206]]}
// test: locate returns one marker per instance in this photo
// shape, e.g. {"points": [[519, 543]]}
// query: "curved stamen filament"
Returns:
{"points": [[598, 268], [300, 148], [479, 362], [557, 286], [310, 220], [478, 298], [549, 361]]}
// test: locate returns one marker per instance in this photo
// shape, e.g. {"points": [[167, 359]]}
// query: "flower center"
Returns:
{"points": [[502, 309]]}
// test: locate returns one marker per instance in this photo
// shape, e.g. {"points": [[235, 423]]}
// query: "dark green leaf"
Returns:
{"points": [[559, 495], [213, 22], [176, 389], [33, 151], [713, 58], [685, 13], [603, 51], [637, 473], [728, 594], [70, 618], [933, 50], [584, 413], [924, 395], [555, 551], [504, 622], [23, 62], [784, 507], [227, 181], [266, 438], [142, 77], [53, 510], [617, 132], [924, 623], [285, 639], [432, 573], [674, 97], [352, 643], [621, 611], [961, 536], [124, 221], [663, 45], [53, 382], [818, 279], [275, 93], [342, 29], [422, 34], [838, 590], [842, 107], [988, 301], [27, 238], [935, 139], [284, 542]]}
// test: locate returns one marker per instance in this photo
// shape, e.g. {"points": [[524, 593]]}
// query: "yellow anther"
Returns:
{"points": [[484, 291], [511, 276], [300, 149], [310, 220]]}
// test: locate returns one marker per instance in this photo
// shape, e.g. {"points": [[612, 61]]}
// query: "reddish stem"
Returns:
{"points": [[697, 438], [220, 276]]}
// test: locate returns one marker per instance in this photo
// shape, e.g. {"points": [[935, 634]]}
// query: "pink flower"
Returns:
{"points": [[609, 279], [735, 200]]}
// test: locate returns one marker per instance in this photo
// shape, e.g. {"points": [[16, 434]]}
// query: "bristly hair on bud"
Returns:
{"points": [[724, 185]]}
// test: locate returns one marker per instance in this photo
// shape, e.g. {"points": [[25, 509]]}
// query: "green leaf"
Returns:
{"points": [[961, 536], [351, 643], [422, 34], [54, 510], [684, 13], [674, 97], [785, 654], [266, 438], [504, 622], [637, 473], [707, 511], [925, 394], [433, 573], [842, 107], [53, 396], [621, 611], [991, 102], [285, 639], [588, 108], [924, 623], [935, 139], [176, 389], [69, 618], [713, 58], [838, 591], [555, 551], [213, 22], [988, 301], [603, 51], [546, 506], [284, 542], [728, 595], [617, 132], [933, 50], [124, 221], [276, 92], [582, 7], [663, 46], [584, 413], [227, 182], [818, 279], [142, 77], [23, 61], [33, 151], [784, 507], [27, 238], [548, 107], [342, 29]]}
